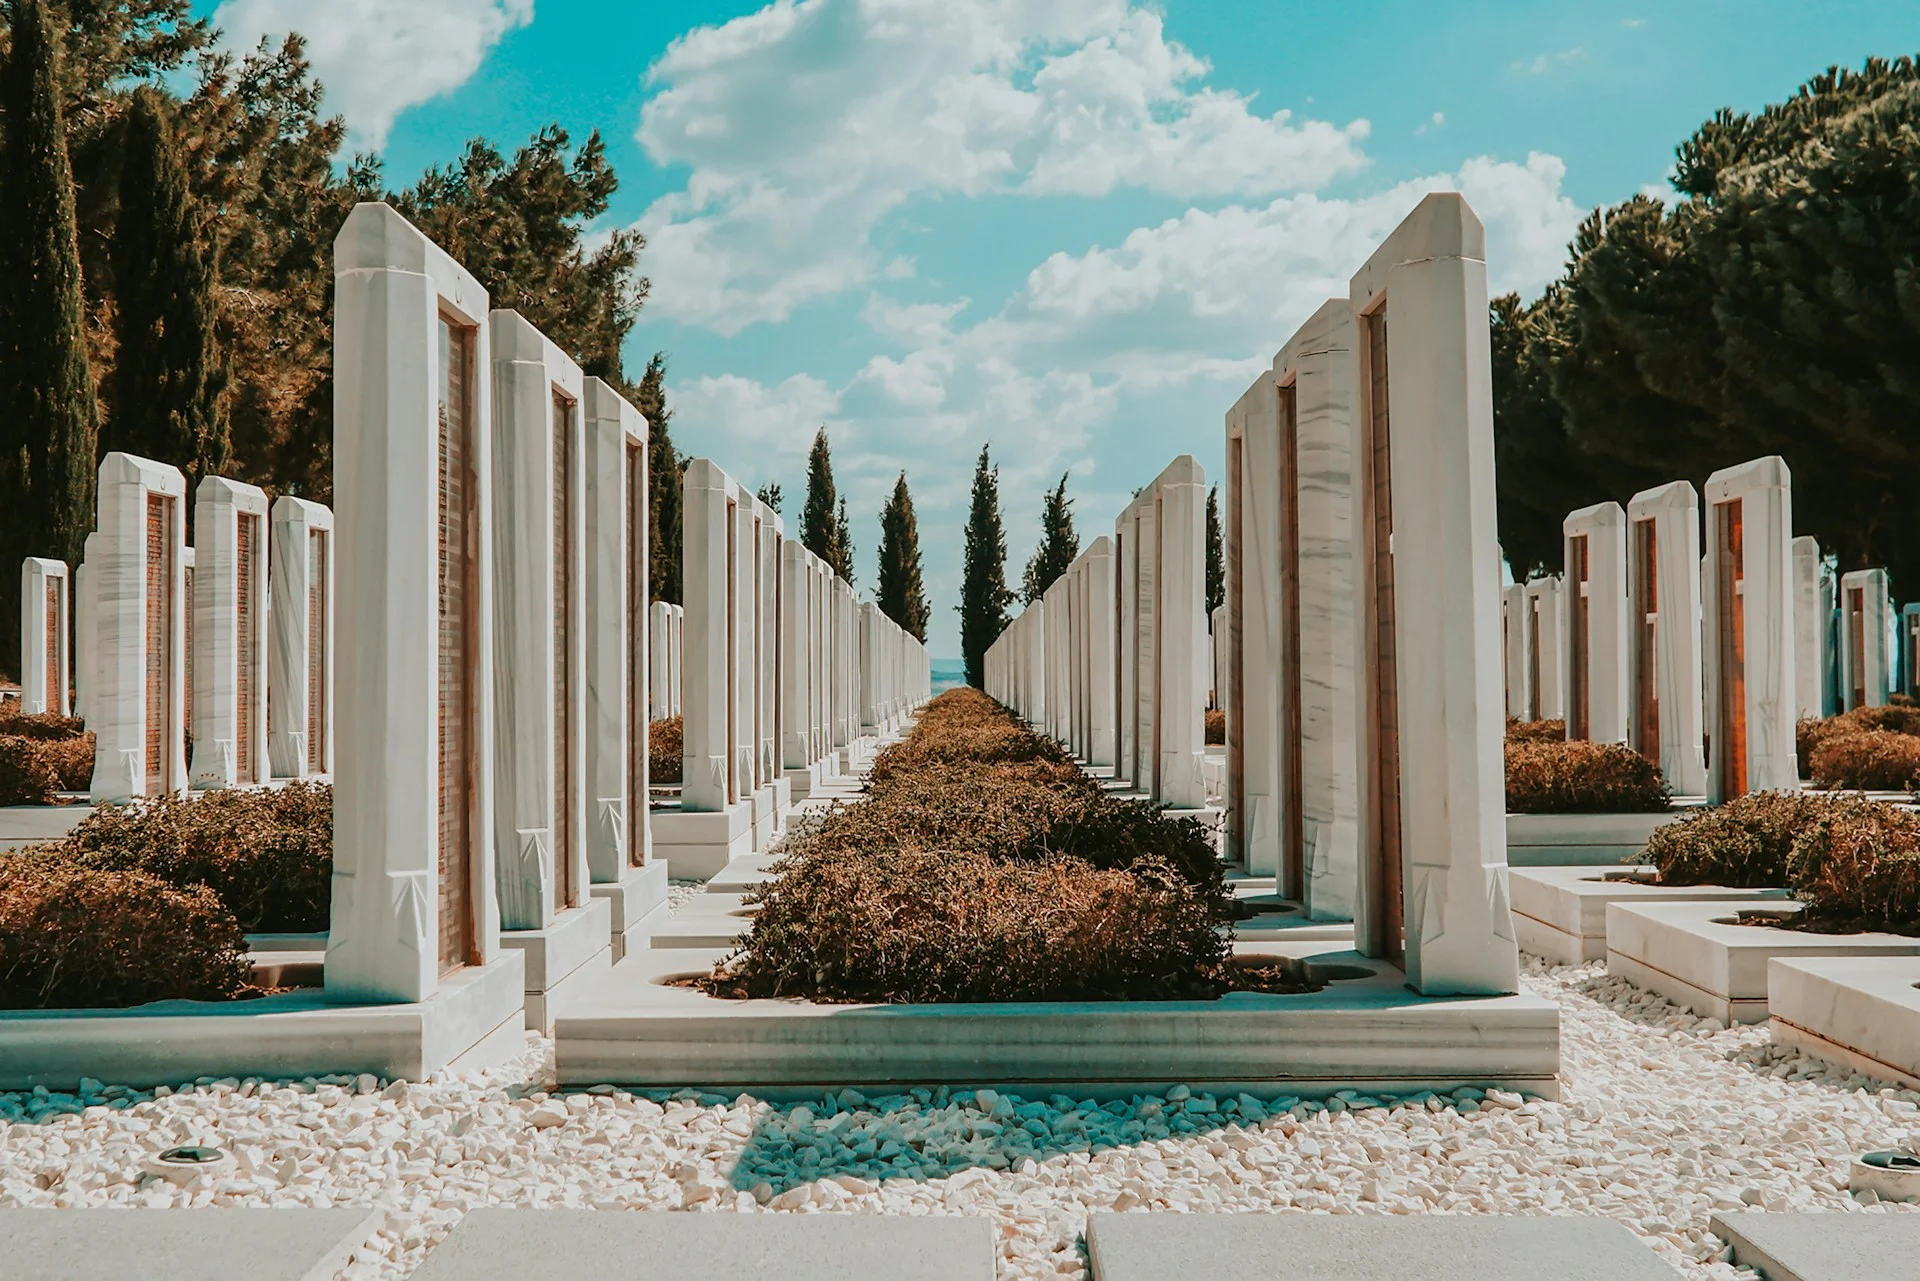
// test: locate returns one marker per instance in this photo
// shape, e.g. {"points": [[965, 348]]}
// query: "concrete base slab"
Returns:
{"points": [[771, 804], [695, 845], [630, 900], [22, 825], [1862, 1012], [743, 874], [1367, 1247], [704, 922], [1560, 913], [634, 1027], [578, 940], [1563, 840], [804, 781], [206, 1244], [476, 1020], [1822, 1246], [610, 1245], [1696, 955]]}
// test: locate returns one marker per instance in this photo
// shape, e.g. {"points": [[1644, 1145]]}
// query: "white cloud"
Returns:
{"points": [[1438, 120], [378, 57], [1541, 63], [807, 123]]}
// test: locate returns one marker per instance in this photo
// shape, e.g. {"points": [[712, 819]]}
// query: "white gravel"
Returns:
{"points": [[1667, 1117]]}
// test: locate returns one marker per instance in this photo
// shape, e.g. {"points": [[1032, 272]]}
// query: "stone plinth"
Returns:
{"points": [[230, 602], [140, 628], [1594, 598], [300, 649], [45, 667], [1430, 767], [1664, 715], [1746, 590]]}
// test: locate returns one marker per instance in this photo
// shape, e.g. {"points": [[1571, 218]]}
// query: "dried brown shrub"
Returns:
{"points": [[1558, 777], [1744, 843], [665, 744], [1216, 725], [1519, 731], [1871, 760], [1856, 865], [26, 774], [1810, 733], [267, 853], [45, 727], [71, 760], [982, 866], [79, 938]]}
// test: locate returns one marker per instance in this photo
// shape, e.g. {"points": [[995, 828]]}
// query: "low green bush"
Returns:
{"points": [[1876, 760], [74, 937], [1856, 865], [1744, 844], [665, 739], [1547, 776], [267, 853]]}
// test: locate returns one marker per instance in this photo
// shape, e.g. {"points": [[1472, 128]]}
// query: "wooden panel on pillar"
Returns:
{"points": [[638, 712], [1579, 640], [1293, 792], [319, 661], [458, 592], [565, 593], [1383, 727], [1646, 692], [247, 656], [159, 647], [1730, 734]]}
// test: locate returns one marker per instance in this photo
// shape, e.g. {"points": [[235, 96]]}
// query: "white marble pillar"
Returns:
{"points": [[1546, 639], [1813, 602], [45, 667], [846, 665], [1909, 649], [659, 656], [1126, 647], [1096, 564], [621, 868], [1518, 660], [413, 886], [1664, 713], [300, 649], [1431, 770], [714, 822], [820, 664], [539, 632], [805, 717], [230, 601], [773, 794], [1747, 593], [85, 618], [140, 626], [1866, 622], [1168, 527], [1594, 616]]}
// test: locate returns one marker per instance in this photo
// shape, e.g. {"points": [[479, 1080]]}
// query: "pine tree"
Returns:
{"points": [[902, 593], [169, 377], [1216, 562], [664, 467], [1059, 544], [770, 494], [983, 585], [823, 528], [48, 417]]}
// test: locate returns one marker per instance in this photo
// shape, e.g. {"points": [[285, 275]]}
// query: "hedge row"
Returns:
{"points": [[664, 747], [982, 865], [1548, 776], [1869, 748], [41, 755]]}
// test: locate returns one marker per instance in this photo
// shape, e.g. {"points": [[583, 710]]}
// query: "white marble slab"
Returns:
{"points": [[618, 636], [85, 626], [1560, 913], [300, 667], [1669, 604], [1862, 1012], [45, 664], [1867, 625], [1762, 490], [1546, 643], [1596, 656], [1815, 657], [229, 722]]}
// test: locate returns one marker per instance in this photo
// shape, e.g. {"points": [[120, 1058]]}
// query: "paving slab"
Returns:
{"points": [[23, 825], [206, 1244], [660, 1245], [1367, 1247], [1830, 1246]]}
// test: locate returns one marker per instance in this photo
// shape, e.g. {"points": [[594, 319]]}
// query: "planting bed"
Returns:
{"points": [[1560, 913]]}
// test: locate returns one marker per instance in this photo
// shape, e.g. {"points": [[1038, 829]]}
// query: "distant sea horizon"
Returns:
{"points": [[948, 673]]}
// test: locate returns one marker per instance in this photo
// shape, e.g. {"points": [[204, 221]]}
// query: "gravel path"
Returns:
{"points": [[1666, 1118]]}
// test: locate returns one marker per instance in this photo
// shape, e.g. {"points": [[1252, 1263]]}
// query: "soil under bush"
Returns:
{"points": [[74, 937], [1548, 776], [983, 866], [664, 748]]}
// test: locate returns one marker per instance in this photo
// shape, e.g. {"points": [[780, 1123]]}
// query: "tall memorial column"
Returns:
{"points": [[1815, 595], [1747, 593], [1594, 543], [1866, 626], [230, 635], [621, 868], [1664, 712], [300, 648], [45, 666], [415, 918], [1166, 524], [138, 714], [1433, 887]]}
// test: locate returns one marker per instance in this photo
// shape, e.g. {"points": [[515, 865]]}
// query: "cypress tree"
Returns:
{"points": [[1059, 544], [48, 418], [902, 593], [983, 585], [1216, 562], [770, 495], [822, 528], [169, 376], [664, 465]]}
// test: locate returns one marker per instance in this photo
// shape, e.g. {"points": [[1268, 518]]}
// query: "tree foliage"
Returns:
{"points": [[665, 468], [48, 417], [983, 577], [1059, 544], [823, 520], [901, 593], [1216, 561]]}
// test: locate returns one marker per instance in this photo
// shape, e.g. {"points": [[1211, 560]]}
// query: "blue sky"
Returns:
{"points": [[1075, 228]]}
